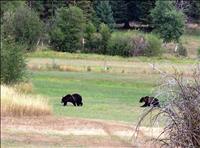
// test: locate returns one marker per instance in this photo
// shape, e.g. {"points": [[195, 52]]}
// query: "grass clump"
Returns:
{"points": [[14, 103]]}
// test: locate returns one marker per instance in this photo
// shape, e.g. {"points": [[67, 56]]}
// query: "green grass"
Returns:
{"points": [[105, 96], [96, 57]]}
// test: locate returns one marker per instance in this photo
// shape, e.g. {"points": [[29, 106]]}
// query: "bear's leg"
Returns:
{"points": [[74, 103], [65, 103], [145, 105]]}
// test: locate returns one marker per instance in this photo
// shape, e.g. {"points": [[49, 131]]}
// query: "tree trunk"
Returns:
{"points": [[126, 25]]}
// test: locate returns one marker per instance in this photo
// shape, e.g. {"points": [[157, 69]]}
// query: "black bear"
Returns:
{"points": [[148, 101], [75, 99]]}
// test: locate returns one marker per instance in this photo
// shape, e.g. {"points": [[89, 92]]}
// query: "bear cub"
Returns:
{"points": [[75, 99], [148, 101]]}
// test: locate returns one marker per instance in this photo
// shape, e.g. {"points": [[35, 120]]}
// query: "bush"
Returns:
{"points": [[27, 27], [68, 30], [12, 62], [95, 43], [119, 44], [134, 44], [154, 46], [182, 51]]}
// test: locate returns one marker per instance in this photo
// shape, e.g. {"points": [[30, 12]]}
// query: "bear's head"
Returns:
{"points": [[144, 99]]}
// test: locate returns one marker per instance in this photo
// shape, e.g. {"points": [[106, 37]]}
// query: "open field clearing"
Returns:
{"points": [[105, 96], [66, 132], [14, 103]]}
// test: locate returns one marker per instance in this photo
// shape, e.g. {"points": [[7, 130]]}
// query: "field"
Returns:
{"points": [[111, 87], [106, 96]]}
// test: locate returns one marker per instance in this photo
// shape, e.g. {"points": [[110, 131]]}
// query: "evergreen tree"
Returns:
{"points": [[104, 13], [87, 8], [68, 31], [194, 10], [120, 10], [168, 22]]}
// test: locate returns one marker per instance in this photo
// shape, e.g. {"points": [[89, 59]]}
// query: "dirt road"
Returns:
{"points": [[51, 131]]}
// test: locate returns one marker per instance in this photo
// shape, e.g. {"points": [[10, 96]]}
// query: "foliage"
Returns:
{"points": [[106, 34], [194, 10], [198, 52], [104, 13], [10, 6], [134, 44], [154, 45], [87, 8], [95, 43], [12, 62], [89, 30], [27, 27], [45, 8], [168, 22], [68, 31], [119, 44], [119, 9], [182, 51]]}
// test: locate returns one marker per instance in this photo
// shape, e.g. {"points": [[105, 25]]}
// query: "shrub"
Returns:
{"points": [[119, 44], [154, 45], [95, 43], [68, 30], [182, 51], [134, 44], [106, 34], [27, 27], [15, 103], [12, 62]]}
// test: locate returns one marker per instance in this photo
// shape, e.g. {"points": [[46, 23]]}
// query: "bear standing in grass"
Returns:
{"points": [[148, 101], [75, 99]]}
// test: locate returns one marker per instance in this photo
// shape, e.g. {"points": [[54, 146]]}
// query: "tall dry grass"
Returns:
{"points": [[16, 103]]}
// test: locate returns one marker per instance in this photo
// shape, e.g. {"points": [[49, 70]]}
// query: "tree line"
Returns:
{"points": [[88, 26]]}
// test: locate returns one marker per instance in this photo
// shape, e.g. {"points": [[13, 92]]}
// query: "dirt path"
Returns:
{"points": [[61, 132]]}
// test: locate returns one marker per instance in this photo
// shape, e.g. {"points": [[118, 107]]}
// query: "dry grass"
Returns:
{"points": [[24, 87], [14, 103]]}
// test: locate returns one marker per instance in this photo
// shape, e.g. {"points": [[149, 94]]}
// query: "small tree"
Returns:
{"points": [[12, 62], [106, 34], [68, 30], [168, 22], [27, 27]]}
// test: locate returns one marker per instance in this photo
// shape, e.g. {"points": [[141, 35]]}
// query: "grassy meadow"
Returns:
{"points": [[106, 96]]}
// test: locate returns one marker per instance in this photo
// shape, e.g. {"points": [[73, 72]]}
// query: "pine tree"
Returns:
{"points": [[104, 13], [120, 10], [87, 8]]}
